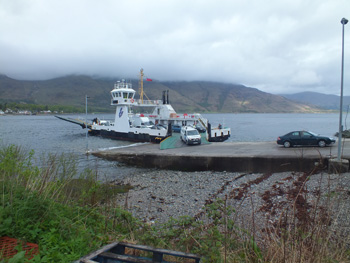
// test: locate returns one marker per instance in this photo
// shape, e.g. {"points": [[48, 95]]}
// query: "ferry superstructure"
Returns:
{"points": [[127, 126], [153, 127]]}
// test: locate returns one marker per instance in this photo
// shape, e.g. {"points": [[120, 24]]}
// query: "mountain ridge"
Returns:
{"points": [[325, 101], [185, 96]]}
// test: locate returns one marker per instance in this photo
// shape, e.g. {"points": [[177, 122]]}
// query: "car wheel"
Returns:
{"points": [[322, 143], [286, 144]]}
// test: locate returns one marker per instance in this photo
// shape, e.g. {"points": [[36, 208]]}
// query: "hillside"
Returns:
{"points": [[196, 96], [60, 91], [325, 101], [220, 97]]}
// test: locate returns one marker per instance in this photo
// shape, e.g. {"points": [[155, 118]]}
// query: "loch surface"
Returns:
{"points": [[47, 134]]}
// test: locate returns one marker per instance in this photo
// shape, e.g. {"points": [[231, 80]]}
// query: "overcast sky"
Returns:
{"points": [[277, 46]]}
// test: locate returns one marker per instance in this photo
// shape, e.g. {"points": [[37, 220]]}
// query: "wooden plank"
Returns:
{"points": [[157, 257], [116, 251], [176, 253], [97, 252], [159, 250], [125, 258]]}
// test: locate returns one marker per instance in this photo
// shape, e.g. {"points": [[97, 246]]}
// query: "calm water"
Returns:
{"points": [[47, 134]]}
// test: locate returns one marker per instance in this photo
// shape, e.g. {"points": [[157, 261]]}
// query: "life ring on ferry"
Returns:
{"points": [[132, 100]]}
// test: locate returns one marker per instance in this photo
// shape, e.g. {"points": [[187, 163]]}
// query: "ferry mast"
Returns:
{"points": [[141, 85], [142, 93]]}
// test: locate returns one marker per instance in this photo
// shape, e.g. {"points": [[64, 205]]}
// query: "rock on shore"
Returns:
{"points": [[158, 195]]}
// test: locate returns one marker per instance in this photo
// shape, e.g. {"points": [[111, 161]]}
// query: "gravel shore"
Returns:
{"points": [[158, 195]]}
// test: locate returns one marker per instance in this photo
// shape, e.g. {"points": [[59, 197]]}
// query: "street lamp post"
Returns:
{"points": [[87, 141], [344, 21]]}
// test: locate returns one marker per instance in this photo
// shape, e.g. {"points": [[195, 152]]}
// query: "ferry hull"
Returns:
{"points": [[130, 136], [219, 139]]}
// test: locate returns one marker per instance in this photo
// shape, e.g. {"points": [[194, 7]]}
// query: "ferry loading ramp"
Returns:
{"points": [[254, 157]]}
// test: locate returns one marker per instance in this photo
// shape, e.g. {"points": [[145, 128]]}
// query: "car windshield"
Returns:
{"points": [[314, 134], [147, 123], [194, 132]]}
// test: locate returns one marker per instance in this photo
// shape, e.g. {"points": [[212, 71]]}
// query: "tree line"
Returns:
{"points": [[15, 107]]}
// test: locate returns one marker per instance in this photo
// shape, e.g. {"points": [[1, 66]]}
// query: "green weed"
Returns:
{"points": [[52, 208], [70, 214]]}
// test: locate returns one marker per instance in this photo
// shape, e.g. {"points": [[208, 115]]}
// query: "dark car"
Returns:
{"points": [[304, 138], [200, 129], [176, 128]]}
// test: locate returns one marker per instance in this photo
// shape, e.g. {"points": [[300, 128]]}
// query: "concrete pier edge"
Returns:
{"points": [[338, 166], [260, 157]]}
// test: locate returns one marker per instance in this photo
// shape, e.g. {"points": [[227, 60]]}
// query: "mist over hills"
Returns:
{"points": [[194, 96], [325, 101]]}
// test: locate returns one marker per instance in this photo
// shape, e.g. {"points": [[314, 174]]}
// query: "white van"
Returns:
{"points": [[190, 135], [142, 122]]}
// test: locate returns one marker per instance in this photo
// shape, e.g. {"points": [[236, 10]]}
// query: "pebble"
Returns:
{"points": [[159, 195]]}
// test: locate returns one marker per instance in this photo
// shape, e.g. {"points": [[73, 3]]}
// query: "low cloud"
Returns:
{"points": [[276, 46]]}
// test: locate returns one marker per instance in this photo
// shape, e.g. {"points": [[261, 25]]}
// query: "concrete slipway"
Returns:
{"points": [[226, 156]]}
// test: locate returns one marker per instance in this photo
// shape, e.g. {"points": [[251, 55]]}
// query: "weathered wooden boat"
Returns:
{"points": [[126, 252]]}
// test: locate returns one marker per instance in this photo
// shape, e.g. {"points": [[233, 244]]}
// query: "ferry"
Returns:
{"points": [[165, 115], [142, 127]]}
